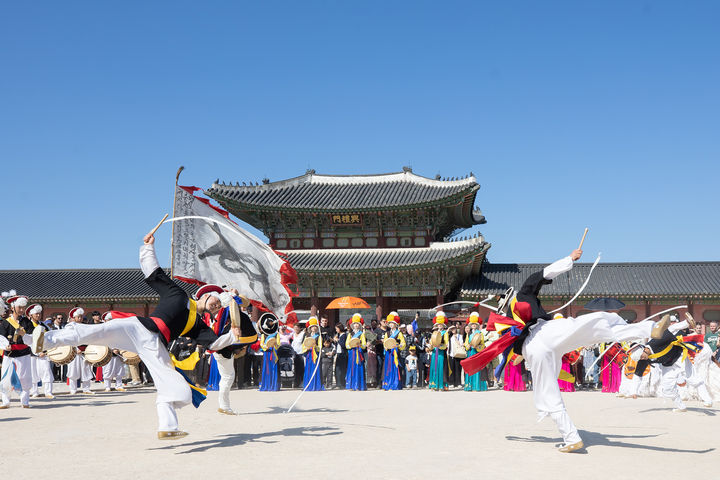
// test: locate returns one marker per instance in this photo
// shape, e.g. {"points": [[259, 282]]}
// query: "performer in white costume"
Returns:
{"points": [[220, 322], [41, 365], [17, 364], [115, 368], [547, 341], [175, 315], [78, 368], [667, 351], [695, 375]]}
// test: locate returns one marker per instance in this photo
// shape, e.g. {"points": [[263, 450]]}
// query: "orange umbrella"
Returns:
{"points": [[348, 302]]}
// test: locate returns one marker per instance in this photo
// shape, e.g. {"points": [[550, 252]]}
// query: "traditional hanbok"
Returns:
{"points": [[512, 380], [391, 365], [474, 382], [438, 360], [312, 379], [355, 376], [611, 372], [566, 386], [270, 370]]}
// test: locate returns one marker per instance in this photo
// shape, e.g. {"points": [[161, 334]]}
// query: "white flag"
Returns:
{"points": [[213, 249]]}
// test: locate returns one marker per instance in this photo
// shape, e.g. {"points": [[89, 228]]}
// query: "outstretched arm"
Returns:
{"points": [[561, 266], [148, 260]]}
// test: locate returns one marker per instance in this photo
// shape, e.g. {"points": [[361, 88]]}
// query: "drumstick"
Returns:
{"points": [[152, 232], [581, 241]]}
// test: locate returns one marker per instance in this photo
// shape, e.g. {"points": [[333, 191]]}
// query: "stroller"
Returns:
{"points": [[286, 364]]}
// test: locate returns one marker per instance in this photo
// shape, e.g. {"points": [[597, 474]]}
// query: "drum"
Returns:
{"points": [[436, 339], [309, 342], [390, 343], [61, 355], [98, 355], [271, 342], [131, 358], [355, 342], [476, 341]]}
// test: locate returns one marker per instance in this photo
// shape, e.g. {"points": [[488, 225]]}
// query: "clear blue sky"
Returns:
{"points": [[571, 114]]}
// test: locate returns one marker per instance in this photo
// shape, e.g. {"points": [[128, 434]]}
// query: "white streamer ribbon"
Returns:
{"points": [[479, 304], [306, 386], [582, 287]]}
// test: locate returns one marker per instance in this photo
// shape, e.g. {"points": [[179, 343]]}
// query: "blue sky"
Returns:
{"points": [[570, 114]]}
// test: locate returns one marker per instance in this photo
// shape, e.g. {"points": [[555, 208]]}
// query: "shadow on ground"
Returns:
{"points": [[594, 439], [707, 411], [236, 439], [274, 410], [87, 403], [13, 418]]}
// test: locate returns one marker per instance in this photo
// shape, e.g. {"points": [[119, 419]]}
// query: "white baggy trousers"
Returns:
{"points": [[23, 368], [41, 372], [129, 334], [548, 341], [226, 369]]}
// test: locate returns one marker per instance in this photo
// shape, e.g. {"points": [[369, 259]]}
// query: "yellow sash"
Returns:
{"points": [[192, 318], [13, 322]]}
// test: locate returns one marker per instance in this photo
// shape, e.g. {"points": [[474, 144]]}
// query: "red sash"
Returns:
{"points": [[162, 328]]}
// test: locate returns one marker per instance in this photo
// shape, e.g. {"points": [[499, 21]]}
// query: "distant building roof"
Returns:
{"points": [[691, 279], [378, 259], [347, 193], [102, 285]]}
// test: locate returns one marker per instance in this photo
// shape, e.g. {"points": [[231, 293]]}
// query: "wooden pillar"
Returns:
{"points": [[379, 300], [439, 298], [647, 308], [314, 302]]}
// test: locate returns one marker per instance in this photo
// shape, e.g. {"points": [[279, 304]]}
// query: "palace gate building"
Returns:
{"points": [[391, 239]]}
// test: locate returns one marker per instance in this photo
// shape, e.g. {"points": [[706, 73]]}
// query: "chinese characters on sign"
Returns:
{"points": [[346, 219]]}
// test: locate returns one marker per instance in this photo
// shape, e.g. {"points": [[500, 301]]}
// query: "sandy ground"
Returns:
{"points": [[375, 434]]}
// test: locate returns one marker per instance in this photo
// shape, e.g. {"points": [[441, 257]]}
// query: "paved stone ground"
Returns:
{"points": [[375, 434]]}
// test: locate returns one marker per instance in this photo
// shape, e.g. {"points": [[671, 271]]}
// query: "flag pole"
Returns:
{"points": [[172, 234]]}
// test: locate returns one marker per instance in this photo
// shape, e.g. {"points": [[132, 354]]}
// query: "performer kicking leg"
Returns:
{"points": [[175, 315], [544, 342]]}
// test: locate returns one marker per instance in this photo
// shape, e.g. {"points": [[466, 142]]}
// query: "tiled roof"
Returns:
{"points": [[346, 193], [81, 285], [378, 259], [693, 279]]}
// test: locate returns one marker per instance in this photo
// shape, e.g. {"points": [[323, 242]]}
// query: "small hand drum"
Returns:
{"points": [[61, 355], [436, 339], [131, 358], [309, 342], [390, 343], [355, 342], [98, 355]]}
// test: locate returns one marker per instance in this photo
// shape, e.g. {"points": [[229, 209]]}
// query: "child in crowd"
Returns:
{"points": [[327, 355], [411, 369]]}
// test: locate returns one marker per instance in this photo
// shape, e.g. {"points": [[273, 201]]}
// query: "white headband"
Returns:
{"points": [[36, 309], [21, 302], [78, 313]]}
